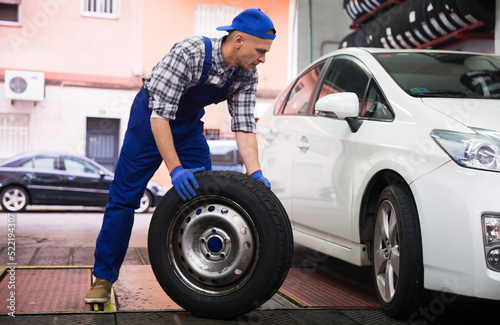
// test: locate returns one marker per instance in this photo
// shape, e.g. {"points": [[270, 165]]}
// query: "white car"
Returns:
{"points": [[391, 158]]}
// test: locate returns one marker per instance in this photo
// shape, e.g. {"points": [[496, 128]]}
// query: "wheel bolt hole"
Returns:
{"points": [[211, 208], [224, 211], [188, 219]]}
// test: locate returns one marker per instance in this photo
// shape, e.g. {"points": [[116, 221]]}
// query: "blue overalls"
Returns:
{"points": [[140, 158]]}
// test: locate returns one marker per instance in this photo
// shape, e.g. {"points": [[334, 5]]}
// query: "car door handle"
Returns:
{"points": [[303, 143], [29, 176]]}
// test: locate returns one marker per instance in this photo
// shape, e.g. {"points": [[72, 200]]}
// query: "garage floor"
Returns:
{"points": [[54, 295], [52, 281]]}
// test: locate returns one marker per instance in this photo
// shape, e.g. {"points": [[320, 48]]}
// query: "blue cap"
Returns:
{"points": [[253, 22]]}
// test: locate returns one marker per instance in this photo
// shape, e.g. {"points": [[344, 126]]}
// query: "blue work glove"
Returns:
{"points": [[184, 181], [258, 176]]}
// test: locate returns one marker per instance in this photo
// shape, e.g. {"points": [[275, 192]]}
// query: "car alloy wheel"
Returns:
{"points": [[386, 245], [225, 252], [145, 202], [397, 253], [14, 199]]}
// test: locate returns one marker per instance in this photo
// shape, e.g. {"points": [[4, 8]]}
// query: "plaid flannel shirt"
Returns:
{"points": [[181, 69]]}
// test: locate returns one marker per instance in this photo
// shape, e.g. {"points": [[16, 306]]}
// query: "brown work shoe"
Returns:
{"points": [[100, 291]]}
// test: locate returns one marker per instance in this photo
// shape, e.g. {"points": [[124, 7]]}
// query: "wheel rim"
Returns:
{"points": [[14, 199], [213, 245], [386, 251], [144, 203]]}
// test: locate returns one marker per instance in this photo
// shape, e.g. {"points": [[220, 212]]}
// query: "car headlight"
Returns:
{"points": [[480, 150], [491, 230]]}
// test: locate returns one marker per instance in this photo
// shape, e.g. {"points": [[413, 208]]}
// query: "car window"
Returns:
{"points": [[344, 76], [75, 165], [375, 106], [281, 99], [455, 75], [301, 92], [44, 163]]}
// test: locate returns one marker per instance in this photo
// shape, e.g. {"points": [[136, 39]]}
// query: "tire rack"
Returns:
{"points": [[461, 35], [358, 22]]}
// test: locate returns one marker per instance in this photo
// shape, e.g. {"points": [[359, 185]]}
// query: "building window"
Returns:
{"points": [[14, 134], [209, 17], [101, 8], [212, 134], [10, 12]]}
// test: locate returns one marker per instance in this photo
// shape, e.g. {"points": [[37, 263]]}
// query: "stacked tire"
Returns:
{"points": [[356, 9], [414, 23]]}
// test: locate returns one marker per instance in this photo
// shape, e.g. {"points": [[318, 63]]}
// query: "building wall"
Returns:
{"points": [[93, 66], [322, 24], [55, 37], [89, 65], [166, 22]]}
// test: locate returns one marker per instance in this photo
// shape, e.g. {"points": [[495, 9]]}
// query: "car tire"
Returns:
{"points": [[14, 199], [145, 202], [226, 251], [397, 252]]}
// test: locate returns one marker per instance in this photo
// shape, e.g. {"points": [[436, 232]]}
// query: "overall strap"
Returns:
{"points": [[207, 64], [231, 79]]}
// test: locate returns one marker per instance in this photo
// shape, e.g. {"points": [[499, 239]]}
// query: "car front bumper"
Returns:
{"points": [[451, 202]]}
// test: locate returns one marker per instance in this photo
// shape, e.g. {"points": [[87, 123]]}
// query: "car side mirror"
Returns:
{"points": [[102, 173], [343, 106]]}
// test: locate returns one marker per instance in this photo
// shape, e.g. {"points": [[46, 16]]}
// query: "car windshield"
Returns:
{"points": [[438, 74]]}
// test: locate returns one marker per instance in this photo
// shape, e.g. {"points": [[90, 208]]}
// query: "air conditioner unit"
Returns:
{"points": [[24, 85]]}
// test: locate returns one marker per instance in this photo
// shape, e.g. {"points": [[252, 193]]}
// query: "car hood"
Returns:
{"points": [[477, 113]]}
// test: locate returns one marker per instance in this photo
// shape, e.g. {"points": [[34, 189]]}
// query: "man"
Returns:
{"points": [[165, 125]]}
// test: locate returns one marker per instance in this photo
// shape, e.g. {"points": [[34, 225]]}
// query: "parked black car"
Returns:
{"points": [[60, 179]]}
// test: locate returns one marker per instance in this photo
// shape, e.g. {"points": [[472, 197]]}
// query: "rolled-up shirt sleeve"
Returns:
{"points": [[169, 80], [241, 106]]}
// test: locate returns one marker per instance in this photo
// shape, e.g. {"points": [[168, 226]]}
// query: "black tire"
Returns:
{"points": [[14, 199], [145, 202], [480, 10], [397, 253], [226, 251]]}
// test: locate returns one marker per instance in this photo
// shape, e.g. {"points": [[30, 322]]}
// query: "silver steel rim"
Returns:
{"points": [[213, 246], [386, 257], [14, 199]]}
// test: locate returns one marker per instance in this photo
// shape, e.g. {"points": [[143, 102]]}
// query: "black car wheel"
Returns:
{"points": [[14, 199], [397, 250], [145, 203], [225, 252]]}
